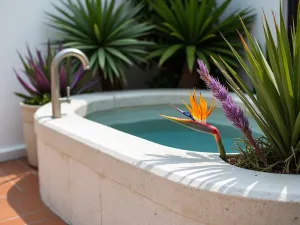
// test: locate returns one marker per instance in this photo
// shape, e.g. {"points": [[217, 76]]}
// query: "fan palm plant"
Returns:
{"points": [[192, 29], [107, 33], [276, 106]]}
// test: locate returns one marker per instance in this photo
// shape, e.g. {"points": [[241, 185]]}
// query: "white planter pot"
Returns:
{"points": [[29, 133], [88, 172]]}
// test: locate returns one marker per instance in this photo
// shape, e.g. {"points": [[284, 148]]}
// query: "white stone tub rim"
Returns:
{"points": [[200, 170]]}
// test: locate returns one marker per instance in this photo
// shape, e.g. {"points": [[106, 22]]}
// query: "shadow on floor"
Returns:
{"points": [[20, 201]]}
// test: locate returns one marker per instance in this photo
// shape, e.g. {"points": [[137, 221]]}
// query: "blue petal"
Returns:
{"points": [[187, 114]]}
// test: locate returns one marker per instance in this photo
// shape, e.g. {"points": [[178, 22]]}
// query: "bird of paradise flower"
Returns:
{"points": [[197, 114]]}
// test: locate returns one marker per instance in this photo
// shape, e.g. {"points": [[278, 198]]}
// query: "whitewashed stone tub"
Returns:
{"points": [[95, 175]]}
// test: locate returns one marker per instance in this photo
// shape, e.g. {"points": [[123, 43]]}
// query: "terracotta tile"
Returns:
{"points": [[42, 221], [20, 201], [6, 184], [38, 216], [16, 221], [29, 184], [12, 167], [35, 217], [24, 196], [24, 202], [8, 181], [6, 211], [55, 221], [25, 163]]}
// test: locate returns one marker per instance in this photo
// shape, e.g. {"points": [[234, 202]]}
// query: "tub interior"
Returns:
{"points": [[145, 122]]}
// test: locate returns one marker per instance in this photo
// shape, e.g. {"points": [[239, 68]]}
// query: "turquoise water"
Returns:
{"points": [[144, 122]]}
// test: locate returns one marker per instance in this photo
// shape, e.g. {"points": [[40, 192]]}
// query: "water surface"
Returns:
{"points": [[144, 122]]}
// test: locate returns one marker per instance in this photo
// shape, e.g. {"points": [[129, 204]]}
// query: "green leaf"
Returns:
{"points": [[112, 64], [93, 60], [22, 95], [204, 59], [156, 53], [119, 54], [209, 36], [168, 53], [101, 57], [124, 42], [296, 131], [286, 75], [190, 52], [97, 32], [174, 31]]}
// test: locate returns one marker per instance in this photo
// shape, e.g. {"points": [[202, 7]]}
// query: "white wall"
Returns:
{"points": [[257, 30], [258, 5], [22, 21]]}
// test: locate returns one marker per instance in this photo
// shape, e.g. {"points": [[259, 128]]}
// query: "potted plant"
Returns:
{"points": [[107, 33], [38, 88], [275, 107], [193, 29]]}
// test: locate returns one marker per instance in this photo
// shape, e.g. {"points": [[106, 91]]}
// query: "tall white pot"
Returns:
{"points": [[29, 133]]}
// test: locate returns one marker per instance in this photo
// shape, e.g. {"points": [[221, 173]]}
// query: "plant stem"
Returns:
{"points": [[222, 150], [257, 150], [215, 132]]}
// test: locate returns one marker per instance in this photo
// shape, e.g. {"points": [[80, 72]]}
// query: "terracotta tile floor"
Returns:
{"points": [[20, 201]]}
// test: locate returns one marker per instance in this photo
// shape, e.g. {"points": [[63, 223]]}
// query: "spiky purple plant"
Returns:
{"points": [[37, 70], [233, 112]]}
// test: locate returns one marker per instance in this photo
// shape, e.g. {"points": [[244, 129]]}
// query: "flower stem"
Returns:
{"points": [[215, 132], [222, 150]]}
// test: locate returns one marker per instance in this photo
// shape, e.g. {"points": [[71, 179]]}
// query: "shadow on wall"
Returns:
{"points": [[212, 176]]}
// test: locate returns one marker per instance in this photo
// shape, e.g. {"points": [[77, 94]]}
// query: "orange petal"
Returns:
{"points": [[187, 106], [203, 105], [212, 106], [195, 109], [199, 107]]}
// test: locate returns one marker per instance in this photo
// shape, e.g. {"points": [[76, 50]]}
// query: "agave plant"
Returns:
{"points": [[192, 29], [107, 33], [276, 106], [37, 71]]}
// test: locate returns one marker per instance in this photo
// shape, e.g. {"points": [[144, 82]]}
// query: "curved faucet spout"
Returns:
{"points": [[55, 85]]}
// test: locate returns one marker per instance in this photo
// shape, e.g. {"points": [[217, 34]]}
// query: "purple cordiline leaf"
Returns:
{"points": [[79, 75], [42, 82], [38, 72], [26, 86], [41, 85], [29, 53], [60, 46], [87, 86], [41, 60], [30, 77]]}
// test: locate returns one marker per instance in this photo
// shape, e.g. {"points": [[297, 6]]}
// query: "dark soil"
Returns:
{"points": [[237, 160]]}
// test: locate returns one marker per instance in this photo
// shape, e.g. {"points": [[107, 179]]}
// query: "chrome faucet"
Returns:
{"points": [[55, 85]]}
